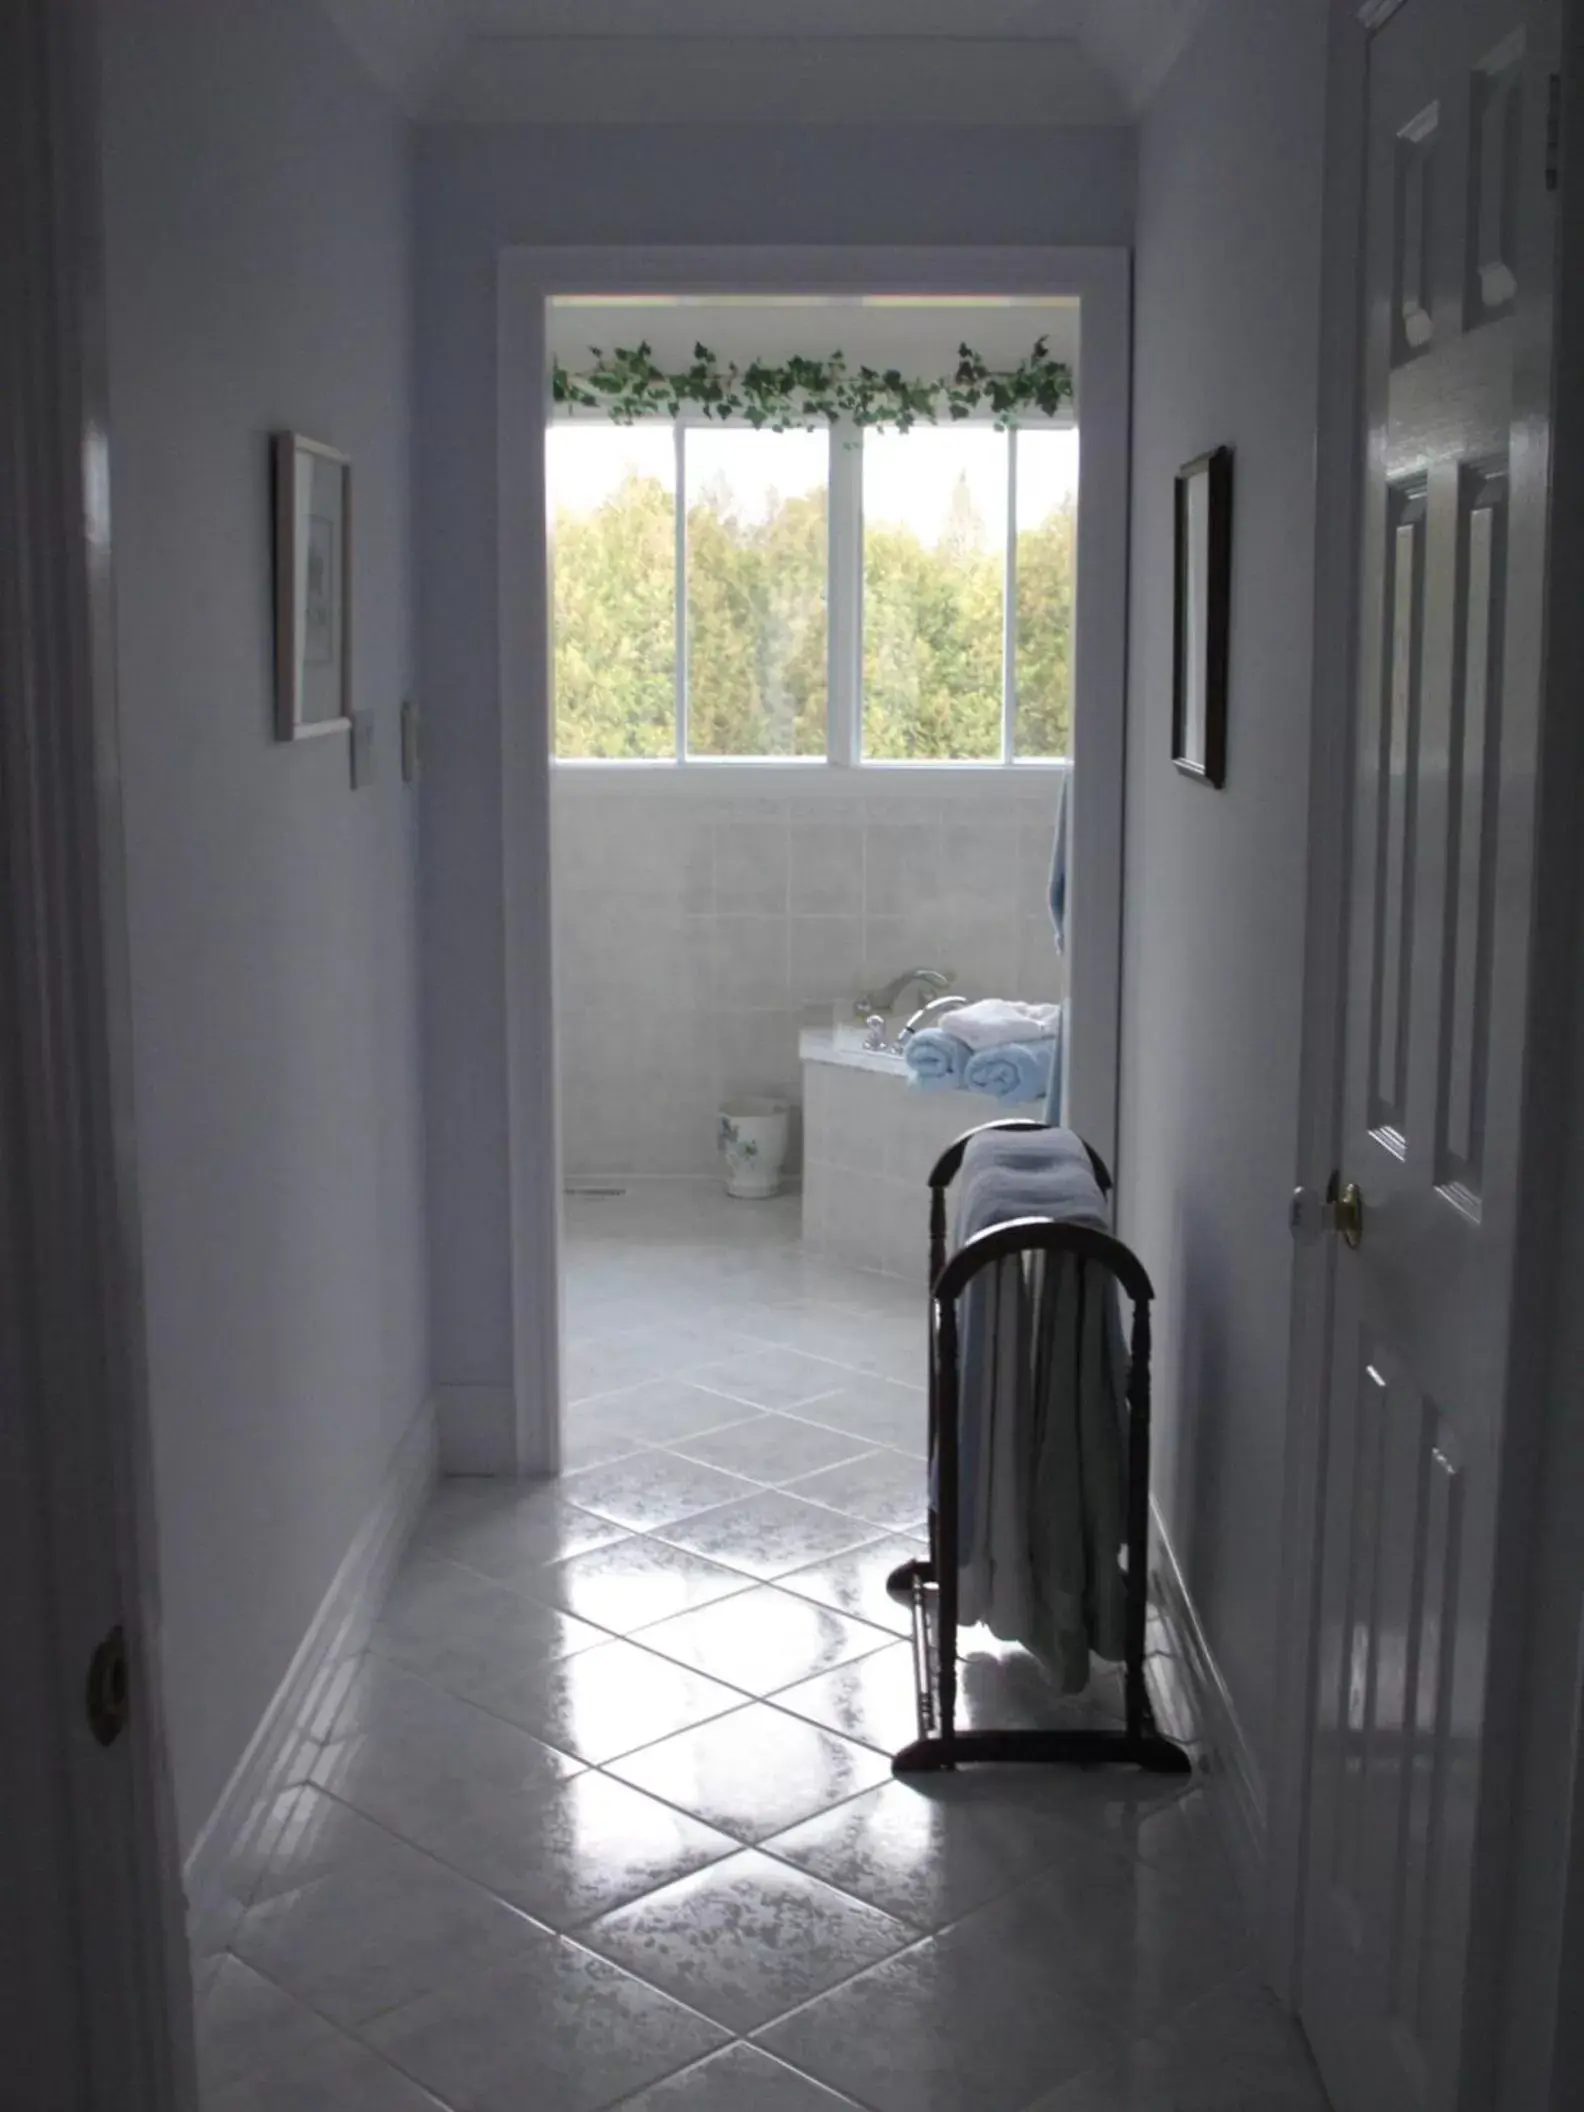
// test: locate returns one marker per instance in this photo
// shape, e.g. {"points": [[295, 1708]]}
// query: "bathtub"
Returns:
{"points": [[869, 1141]]}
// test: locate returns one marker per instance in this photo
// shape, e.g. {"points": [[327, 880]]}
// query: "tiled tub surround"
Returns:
{"points": [[698, 929], [869, 1141], [605, 1818]]}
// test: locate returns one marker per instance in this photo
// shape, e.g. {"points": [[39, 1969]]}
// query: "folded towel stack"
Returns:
{"points": [[1007, 1051], [936, 1059], [994, 1020], [1012, 1070]]}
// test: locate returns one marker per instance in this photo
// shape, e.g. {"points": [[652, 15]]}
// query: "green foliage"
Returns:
{"points": [[1046, 576], [932, 642], [626, 385], [756, 627], [615, 625], [756, 614]]}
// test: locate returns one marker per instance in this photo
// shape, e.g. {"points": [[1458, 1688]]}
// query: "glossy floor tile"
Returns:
{"points": [[765, 1638], [773, 1449], [754, 1773], [248, 2023], [768, 1534], [855, 1582], [885, 1489], [504, 1535], [334, 2074], [637, 1583], [565, 2031], [747, 1939], [740, 2078], [604, 1819], [360, 1940], [1234, 2051], [652, 1489], [605, 1702]]}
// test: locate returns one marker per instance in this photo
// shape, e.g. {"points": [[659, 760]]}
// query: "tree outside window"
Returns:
{"points": [[956, 524]]}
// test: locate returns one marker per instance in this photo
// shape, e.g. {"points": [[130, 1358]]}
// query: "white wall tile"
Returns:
{"points": [[979, 865], [902, 868], [758, 1053], [751, 860], [827, 960], [894, 943], [827, 867], [695, 933], [751, 962]]}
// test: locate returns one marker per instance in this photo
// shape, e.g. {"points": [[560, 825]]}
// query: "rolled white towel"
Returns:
{"points": [[994, 1021]]}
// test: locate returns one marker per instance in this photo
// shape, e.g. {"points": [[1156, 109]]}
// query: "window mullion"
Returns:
{"points": [[681, 595], [1009, 606], [844, 597]]}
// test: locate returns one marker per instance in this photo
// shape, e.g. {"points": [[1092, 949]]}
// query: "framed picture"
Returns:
{"points": [[1203, 616], [313, 588]]}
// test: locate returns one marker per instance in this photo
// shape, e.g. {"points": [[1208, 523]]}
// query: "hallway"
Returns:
{"points": [[604, 1816]]}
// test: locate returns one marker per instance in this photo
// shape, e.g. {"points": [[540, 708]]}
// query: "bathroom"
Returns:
{"points": [[727, 924], [814, 775]]}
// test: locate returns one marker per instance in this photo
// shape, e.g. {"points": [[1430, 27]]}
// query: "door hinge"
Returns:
{"points": [[1553, 172], [109, 1699]]}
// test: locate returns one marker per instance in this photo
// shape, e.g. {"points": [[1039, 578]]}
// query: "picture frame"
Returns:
{"points": [[313, 587], [1202, 616]]}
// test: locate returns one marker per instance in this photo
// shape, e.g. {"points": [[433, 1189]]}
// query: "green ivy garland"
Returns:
{"points": [[626, 385]]}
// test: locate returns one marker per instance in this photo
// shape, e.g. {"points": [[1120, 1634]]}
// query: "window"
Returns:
{"points": [[934, 594], [899, 597], [613, 563], [757, 565]]}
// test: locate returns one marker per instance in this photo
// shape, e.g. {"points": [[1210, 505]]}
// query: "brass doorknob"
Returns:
{"points": [[1345, 1208], [1341, 1211]]}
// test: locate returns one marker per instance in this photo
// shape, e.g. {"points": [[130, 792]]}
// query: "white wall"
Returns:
{"points": [[483, 187], [258, 200], [1227, 337], [696, 932]]}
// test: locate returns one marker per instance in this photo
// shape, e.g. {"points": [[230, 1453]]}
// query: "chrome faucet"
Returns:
{"points": [[926, 1014], [885, 1001]]}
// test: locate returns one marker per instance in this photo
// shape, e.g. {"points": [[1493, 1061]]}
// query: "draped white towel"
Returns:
{"points": [[994, 1021]]}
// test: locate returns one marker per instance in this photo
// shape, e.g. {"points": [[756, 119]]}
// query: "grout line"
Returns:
{"points": [[348, 2032]]}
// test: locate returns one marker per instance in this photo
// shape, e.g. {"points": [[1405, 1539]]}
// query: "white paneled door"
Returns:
{"points": [[1456, 318]]}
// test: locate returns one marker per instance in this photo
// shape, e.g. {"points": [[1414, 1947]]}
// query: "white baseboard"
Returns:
{"points": [[1196, 1707], [477, 1429], [292, 1728]]}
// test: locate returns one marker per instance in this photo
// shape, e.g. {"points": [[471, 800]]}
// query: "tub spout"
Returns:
{"points": [[885, 1001]]}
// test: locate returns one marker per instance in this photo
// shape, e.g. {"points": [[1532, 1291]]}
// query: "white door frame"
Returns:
{"points": [[1521, 1940], [1101, 279], [95, 2001], [1333, 711]]}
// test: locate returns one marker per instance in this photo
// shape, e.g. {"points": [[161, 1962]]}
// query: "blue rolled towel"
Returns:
{"points": [[1015, 1070], [936, 1060]]}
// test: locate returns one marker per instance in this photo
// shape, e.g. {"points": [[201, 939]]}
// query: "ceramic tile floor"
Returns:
{"points": [[604, 1817]]}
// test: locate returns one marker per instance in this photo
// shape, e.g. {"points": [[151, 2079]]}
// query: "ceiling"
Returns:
{"points": [[805, 61]]}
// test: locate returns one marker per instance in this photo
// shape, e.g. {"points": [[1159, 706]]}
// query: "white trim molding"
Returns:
{"points": [[476, 1429], [1199, 1710], [1100, 279], [294, 1727]]}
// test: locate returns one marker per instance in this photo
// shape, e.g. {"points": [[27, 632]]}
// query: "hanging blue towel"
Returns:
{"points": [[1058, 872], [936, 1060], [1013, 1070], [1056, 1090]]}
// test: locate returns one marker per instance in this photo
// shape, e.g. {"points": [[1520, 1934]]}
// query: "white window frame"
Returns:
{"points": [[844, 599]]}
